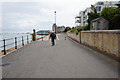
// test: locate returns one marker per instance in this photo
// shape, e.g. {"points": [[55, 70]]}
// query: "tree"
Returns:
{"points": [[67, 29], [113, 16], [116, 18], [92, 15], [93, 9], [108, 13], [118, 4]]}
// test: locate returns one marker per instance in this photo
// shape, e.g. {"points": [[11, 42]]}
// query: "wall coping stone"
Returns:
{"points": [[102, 31]]}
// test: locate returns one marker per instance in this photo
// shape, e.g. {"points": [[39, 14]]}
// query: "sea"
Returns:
{"points": [[10, 39]]}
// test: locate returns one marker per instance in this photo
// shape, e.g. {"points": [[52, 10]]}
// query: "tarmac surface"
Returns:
{"points": [[67, 59]]}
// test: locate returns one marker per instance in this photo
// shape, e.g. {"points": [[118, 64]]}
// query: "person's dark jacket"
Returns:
{"points": [[53, 35]]}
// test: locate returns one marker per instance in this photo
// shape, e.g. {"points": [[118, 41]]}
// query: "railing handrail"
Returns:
{"points": [[9, 39], [24, 39], [15, 42]]}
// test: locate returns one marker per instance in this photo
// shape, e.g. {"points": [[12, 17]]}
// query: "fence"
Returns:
{"points": [[22, 39]]}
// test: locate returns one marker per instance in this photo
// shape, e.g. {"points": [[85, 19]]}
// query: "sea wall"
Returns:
{"points": [[107, 41]]}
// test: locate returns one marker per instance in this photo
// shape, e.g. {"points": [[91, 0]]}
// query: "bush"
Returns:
{"points": [[74, 30], [79, 29], [86, 27], [67, 29]]}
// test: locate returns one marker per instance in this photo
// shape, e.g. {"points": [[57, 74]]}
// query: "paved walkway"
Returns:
{"points": [[66, 59]]}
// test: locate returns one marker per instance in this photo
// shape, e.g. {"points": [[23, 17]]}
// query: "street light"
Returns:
{"points": [[55, 23], [55, 17]]}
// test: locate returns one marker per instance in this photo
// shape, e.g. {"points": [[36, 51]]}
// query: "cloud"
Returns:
{"points": [[24, 15], [0, 17]]}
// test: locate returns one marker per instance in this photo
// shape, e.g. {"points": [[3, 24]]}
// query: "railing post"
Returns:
{"points": [[27, 40], [22, 41], [15, 42], [34, 35], [42, 38], [4, 48]]}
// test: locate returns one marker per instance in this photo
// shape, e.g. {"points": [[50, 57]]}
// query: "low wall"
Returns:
{"points": [[107, 41], [74, 36]]}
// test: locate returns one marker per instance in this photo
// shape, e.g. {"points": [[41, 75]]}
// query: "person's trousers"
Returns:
{"points": [[53, 42]]}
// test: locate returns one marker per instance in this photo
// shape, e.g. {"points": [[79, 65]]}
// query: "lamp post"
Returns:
{"points": [[55, 22], [55, 17]]}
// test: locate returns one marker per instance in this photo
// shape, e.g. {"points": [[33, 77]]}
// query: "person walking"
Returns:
{"points": [[53, 37]]}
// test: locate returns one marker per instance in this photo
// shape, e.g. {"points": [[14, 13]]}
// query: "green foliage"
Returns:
{"points": [[108, 13], [92, 16], [113, 16], [115, 22], [79, 29], [94, 9], [86, 27], [67, 29], [74, 30], [118, 4]]}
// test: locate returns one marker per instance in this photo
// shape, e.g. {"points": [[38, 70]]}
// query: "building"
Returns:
{"points": [[81, 20], [77, 21], [43, 31], [102, 4], [85, 19], [99, 24], [54, 27], [81, 14], [60, 28]]}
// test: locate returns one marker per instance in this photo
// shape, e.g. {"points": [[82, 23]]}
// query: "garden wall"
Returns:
{"points": [[107, 41]]}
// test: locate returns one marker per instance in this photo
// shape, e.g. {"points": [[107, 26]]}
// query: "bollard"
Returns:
{"points": [[15, 42], [4, 48], [42, 38], [65, 38], [34, 35], [22, 41], [27, 40]]}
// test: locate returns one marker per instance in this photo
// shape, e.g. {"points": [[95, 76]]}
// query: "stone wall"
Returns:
{"points": [[107, 41], [74, 36]]}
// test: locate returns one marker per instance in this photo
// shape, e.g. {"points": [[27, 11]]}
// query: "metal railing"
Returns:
{"points": [[24, 38]]}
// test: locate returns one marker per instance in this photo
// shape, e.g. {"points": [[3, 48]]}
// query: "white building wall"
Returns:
{"points": [[88, 10], [99, 5], [102, 4], [82, 18]]}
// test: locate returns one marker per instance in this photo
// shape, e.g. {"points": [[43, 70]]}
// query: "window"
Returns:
{"points": [[101, 3], [99, 8]]}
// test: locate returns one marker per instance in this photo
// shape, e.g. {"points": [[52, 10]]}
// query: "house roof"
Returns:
{"points": [[99, 19]]}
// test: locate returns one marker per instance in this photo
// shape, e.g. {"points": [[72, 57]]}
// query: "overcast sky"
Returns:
{"points": [[26, 15]]}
